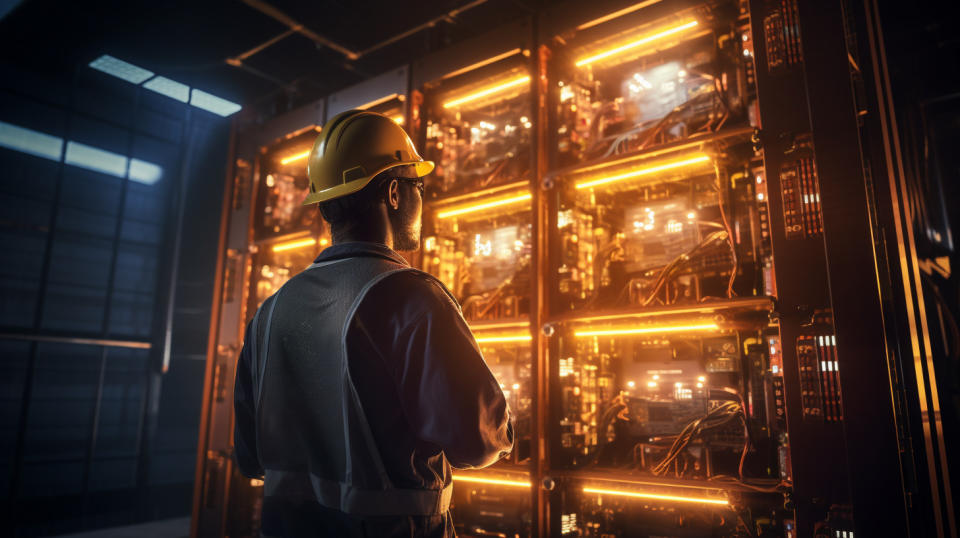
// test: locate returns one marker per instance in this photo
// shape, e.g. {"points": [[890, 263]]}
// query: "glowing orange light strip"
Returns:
{"points": [[634, 44], [297, 157], [494, 481], [485, 205], [643, 171], [487, 91], [649, 330], [297, 243], [505, 338], [656, 496]]}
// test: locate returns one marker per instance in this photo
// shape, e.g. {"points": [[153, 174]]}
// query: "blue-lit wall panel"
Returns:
{"points": [[92, 434]]}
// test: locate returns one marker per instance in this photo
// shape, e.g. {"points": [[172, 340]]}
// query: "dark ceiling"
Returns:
{"points": [[191, 41]]}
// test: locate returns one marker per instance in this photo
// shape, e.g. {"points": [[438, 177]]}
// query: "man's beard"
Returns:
{"points": [[406, 228]]}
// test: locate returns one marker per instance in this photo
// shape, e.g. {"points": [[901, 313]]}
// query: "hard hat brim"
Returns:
{"points": [[421, 169]]}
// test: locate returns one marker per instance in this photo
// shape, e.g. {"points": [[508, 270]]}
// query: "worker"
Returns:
{"points": [[360, 384]]}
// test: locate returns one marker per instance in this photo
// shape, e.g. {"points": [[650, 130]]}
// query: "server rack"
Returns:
{"points": [[474, 117], [266, 238], [647, 211]]}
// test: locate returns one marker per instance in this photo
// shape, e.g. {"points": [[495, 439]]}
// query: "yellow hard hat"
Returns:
{"points": [[355, 146]]}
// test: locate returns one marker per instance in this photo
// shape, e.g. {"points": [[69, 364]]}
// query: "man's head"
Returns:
{"points": [[389, 205], [365, 173]]}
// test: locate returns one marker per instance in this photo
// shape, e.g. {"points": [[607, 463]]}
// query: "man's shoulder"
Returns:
{"points": [[409, 291]]}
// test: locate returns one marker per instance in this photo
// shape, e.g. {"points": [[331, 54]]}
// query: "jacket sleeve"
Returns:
{"points": [[448, 393], [244, 432]]}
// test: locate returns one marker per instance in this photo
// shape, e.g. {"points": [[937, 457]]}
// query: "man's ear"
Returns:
{"points": [[393, 194]]}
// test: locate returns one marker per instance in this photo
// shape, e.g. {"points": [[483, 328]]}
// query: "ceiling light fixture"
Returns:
{"points": [[212, 103], [170, 88], [120, 69]]}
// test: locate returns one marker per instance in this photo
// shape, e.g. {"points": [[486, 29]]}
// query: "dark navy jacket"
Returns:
{"points": [[424, 388]]}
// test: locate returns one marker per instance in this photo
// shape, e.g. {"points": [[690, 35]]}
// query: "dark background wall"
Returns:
{"points": [[97, 426]]}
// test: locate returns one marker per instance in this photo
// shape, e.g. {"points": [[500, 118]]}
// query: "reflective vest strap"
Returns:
{"points": [[359, 502]]}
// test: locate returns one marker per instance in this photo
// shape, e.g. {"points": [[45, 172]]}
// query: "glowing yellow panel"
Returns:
{"points": [[648, 330], [672, 165], [634, 44], [293, 158], [487, 91], [297, 243], [493, 481], [657, 496], [462, 210]]}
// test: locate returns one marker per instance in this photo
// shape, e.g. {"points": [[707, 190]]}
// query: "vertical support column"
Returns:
{"points": [[212, 373], [540, 307], [876, 485], [817, 449]]}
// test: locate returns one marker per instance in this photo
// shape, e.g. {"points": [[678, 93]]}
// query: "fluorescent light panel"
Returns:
{"points": [[121, 69], [144, 172], [80, 155], [30, 142], [98, 160], [170, 88], [212, 103]]}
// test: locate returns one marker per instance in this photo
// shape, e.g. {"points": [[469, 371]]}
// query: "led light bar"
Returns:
{"points": [[296, 243], [634, 44], [505, 338], [487, 91], [398, 119], [293, 158], [493, 481], [484, 205], [648, 330], [688, 161], [657, 496]]}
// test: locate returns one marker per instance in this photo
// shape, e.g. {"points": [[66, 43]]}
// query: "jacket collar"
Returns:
{"points": [[353, 249]]}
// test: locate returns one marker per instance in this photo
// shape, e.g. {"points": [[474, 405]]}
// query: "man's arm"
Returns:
{"points": [[448, 393], [244, 432]]}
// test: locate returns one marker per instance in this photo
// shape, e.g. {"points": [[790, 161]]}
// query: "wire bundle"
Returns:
{"points": [[678, 262], [719, 416]]}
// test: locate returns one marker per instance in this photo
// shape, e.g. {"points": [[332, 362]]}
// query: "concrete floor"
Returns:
{"points": [[165, 528]]}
